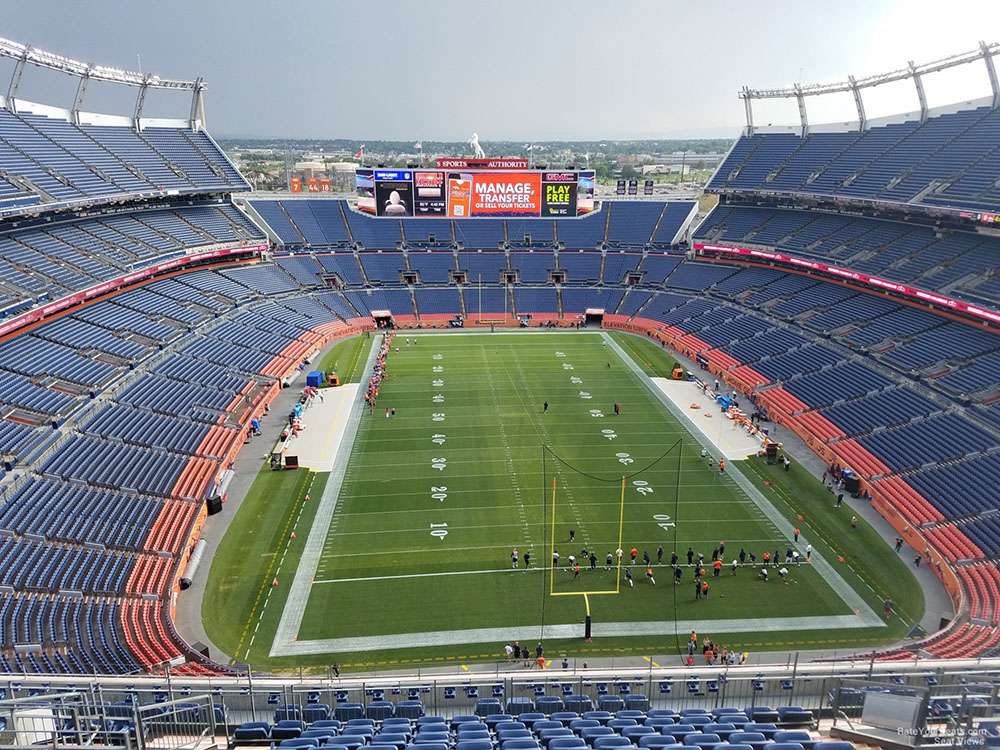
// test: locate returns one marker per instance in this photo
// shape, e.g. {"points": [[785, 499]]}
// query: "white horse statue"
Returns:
{"points": [[477, 150]]}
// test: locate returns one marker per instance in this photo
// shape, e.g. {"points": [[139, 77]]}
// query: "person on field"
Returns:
{"points": [[555, 558], [673, 559], [628, 577], [513, 558], [690, 555], [716, 568], [545, 407], [704, 589], [678, 574], [649, 574], [576, 570], [593, 561], [697, 588], [572, 535], [659, 554], [633, 553], [609, 561], [734, 565], [645, 557], [527, 559], [763, 574], [783, 573]]}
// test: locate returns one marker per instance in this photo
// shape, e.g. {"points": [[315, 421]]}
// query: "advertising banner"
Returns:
{"points": [[296, 186], [620, 187], [647, 187], [559, 193], [429, 198], [506, 194], [394, 192], [460, 195], [633, 187], [586, 188], [364, 182]]}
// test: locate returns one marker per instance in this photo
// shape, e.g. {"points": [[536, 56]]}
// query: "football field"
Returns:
{"points": [[434, 499]]}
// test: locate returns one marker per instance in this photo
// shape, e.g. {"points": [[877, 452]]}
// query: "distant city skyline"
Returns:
{"points": [[517, 71]]}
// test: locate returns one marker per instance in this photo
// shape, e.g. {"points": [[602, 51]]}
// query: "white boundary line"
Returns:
{"points": [[286, 641]]}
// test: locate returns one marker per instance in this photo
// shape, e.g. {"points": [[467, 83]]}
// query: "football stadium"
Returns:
{"points": [[481, 455]]}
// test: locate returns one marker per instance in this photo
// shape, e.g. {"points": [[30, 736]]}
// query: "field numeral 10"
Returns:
{"points": [[440, 530]]}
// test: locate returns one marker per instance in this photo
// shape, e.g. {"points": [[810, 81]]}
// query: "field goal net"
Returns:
{"points": [[592, 522]]}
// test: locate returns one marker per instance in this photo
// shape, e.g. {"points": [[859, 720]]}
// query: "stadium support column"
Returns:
{"points": [[803, 116], [197, 119], [81, 93], [140, 102], [859, 103], [991, 71], [919, 85], [748, 107], [15, 79]]}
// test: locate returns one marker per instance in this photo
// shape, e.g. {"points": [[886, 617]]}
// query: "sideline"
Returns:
{"points": [[298, 596]]}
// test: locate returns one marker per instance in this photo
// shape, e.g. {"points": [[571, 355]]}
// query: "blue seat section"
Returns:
{"points": [[305, 269], [144, 428], [582, 267], [936, 439], [674, 217], [115, 465], [437, 301], [76, 513], [886, 409], [896, 162], [483, 266], [578, 300], [534, 267], [428, 232], [530, 232], [63, 161], [432, 267], [383, 268], [924, 256], [585, 232], [657, 267], [40, 264], [375, 233], [697, 275], [91, 626], [535, 300], [343, 265], [631, 223], [398, 301], [265, 279], [486, 234], [43, 567], [985, 533], [618, 264]]}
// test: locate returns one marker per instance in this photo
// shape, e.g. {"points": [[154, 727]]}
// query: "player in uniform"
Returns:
{"points": [[513, 558], [649, 574]]}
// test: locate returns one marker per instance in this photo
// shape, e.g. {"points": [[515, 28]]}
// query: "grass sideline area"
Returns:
{"points": [[257, 549], [346, 358], [384, 572]]}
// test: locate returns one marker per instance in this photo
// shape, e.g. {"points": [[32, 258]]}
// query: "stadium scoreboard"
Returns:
{"points": [[469, 188]]}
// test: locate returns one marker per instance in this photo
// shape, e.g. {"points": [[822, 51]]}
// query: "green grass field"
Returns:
{"points": [[436, 498]]}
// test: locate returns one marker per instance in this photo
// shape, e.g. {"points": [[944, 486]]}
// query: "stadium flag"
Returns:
{"points": [[360, 154]]}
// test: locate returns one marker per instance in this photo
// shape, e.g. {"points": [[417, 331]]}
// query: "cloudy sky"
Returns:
{"points": [[509, 69]]}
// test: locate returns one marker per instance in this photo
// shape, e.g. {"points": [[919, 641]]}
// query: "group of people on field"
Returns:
{"points": [[378, 373], [767, 560], [713, 653]]}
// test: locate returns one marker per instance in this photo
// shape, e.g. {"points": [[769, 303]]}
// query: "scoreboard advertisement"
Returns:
{"points": [[471, 193]]}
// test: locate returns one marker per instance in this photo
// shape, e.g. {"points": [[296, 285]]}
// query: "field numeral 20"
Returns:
{"points": [[440, 530], [439, 493]]}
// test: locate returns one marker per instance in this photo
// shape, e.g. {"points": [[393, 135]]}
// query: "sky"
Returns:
{"points": [[508, 69]]}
